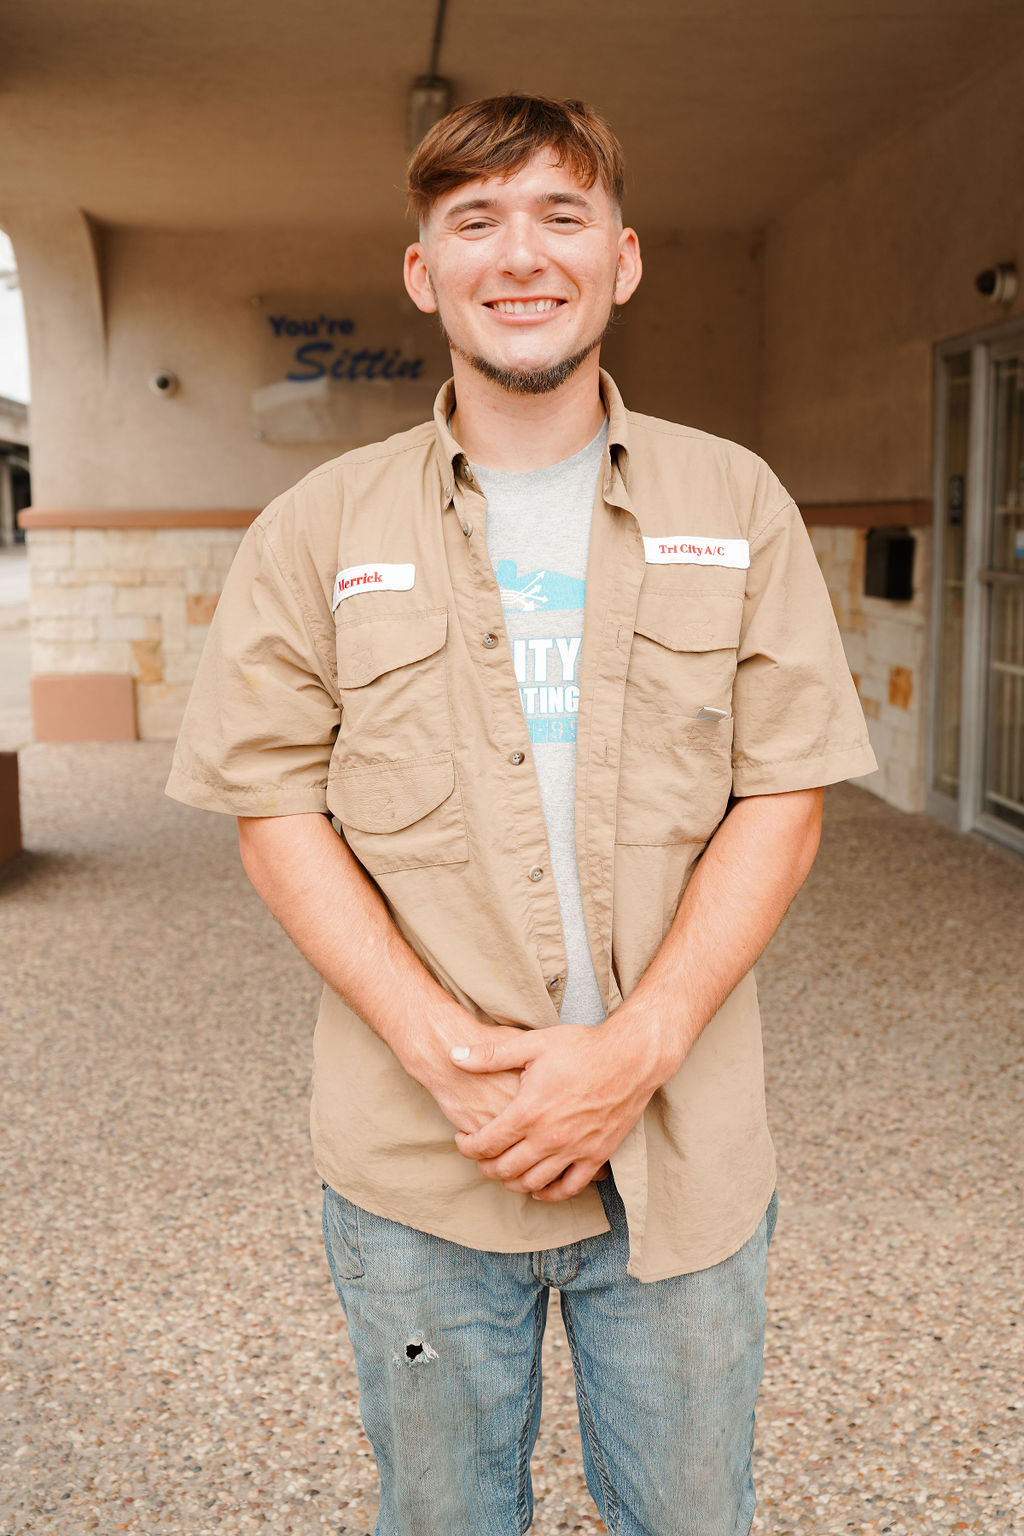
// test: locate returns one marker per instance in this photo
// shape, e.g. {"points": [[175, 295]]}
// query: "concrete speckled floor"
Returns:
{"points": [[175, 1359]]}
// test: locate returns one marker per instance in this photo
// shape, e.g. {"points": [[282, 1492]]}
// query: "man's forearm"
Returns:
{"points": [[738, 895], [325, 902], [583, 1089]]}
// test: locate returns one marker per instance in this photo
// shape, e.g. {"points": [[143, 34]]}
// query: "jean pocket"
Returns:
{"points": [[341, 1237]]}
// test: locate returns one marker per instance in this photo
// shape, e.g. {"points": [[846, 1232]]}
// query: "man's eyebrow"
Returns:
{"points": [[548, 199], [575, 198], [469, 205]]}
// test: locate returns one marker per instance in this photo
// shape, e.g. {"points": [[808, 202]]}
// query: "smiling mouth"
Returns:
{"points": [[524, 306]]}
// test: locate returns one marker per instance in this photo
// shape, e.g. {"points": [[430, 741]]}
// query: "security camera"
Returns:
{"points": [[163, 382], [998, 283]]}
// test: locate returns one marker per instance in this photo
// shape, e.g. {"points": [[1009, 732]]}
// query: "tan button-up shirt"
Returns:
{"points": [[391, 702]]}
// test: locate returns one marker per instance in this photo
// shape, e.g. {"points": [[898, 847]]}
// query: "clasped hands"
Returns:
{"points": [[580, 1092]]}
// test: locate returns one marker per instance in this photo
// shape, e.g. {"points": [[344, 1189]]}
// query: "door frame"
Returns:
{"points": [[965, 812]]}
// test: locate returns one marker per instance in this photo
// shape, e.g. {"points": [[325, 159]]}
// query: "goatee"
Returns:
{"points": [[526, 381]]}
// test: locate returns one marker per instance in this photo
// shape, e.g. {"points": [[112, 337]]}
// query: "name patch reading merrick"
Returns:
{"points": [[372, 578], [691, 549]]}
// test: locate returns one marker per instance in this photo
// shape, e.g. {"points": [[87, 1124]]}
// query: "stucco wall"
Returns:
{"points": [[688, 344], [865, 275], [106, 307], [860, 280]]}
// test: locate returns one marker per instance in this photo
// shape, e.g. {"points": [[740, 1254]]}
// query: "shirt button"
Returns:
{"points": [[554, 982], [469, 474], [517, 758], [536, 873], [447, 490], [490, 640], [467, 528]]}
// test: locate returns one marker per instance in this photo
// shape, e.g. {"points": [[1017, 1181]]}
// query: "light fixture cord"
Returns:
{"points": [[435, 48]]}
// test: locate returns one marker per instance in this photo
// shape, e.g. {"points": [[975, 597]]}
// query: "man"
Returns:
{"points": [[568, 680]]}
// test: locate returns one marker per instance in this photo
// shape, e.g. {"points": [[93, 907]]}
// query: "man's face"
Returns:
{"points": [[523, 273]]}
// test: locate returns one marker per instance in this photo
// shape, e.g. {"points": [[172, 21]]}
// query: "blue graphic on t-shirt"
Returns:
{"points": [[537, 589]]}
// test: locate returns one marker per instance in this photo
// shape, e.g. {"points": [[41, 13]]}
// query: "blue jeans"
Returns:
{"points": [[447, 1345]]}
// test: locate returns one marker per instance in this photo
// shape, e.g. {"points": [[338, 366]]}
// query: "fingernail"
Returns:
{"points": [[459, 1053]]}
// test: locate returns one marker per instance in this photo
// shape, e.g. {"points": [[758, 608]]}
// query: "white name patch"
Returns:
{"points": [[691, 549], [372, 578]]}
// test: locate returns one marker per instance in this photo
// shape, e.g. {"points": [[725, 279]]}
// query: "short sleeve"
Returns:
{"points": [[263, 714], [798, 721]]}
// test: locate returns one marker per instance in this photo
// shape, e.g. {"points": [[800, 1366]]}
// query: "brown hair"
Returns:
{"points": [[498, 135]]}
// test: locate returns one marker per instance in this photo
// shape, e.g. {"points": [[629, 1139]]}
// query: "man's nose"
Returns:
{"points": [[522, 249]]}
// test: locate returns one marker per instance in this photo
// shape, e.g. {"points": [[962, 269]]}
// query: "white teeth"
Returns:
{"points": [[524, 306]]}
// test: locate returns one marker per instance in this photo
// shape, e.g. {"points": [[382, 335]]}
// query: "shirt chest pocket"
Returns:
{"points": [[392, 781], [676, 766]]}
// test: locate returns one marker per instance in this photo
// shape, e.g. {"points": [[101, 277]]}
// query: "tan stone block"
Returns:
{"points": [[81, 656], [845, 546], [871, 707], [196, 637], [856, 650], [129, 549], [100, 656], [68, 628], [90, 548], [95, 598], [148, 658], [214, 536], [55, 541], [901, 687], [148, 600], [180, 667], [905, 786], [120, 627], [218, 557], [881, 739], [52, 600], [160, 709], [154, 629], [199, 607], [126, 578], [49, 656], [71, 576], [175, 628]]}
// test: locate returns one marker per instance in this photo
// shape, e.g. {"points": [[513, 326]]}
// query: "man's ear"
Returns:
{"points": [[630, 267], [417, 280]]}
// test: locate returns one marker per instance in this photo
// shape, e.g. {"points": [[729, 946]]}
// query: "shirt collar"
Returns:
{"points": [[452, 460]]}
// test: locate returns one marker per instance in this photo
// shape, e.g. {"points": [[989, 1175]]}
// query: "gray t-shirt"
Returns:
{"points": [[538, 533]]}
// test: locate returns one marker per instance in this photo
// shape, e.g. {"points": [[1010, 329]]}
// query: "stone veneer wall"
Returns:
{"points": [[139, 602], [887, 649], [136, 602]]}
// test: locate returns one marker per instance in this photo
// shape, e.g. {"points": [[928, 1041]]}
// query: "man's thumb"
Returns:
{"points": [[489, 1058]]}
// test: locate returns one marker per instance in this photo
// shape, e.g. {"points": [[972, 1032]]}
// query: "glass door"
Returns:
{"points": [[976, 746]]}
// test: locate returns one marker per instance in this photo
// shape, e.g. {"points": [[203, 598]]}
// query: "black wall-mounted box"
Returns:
{"points": [[889, 564]]}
